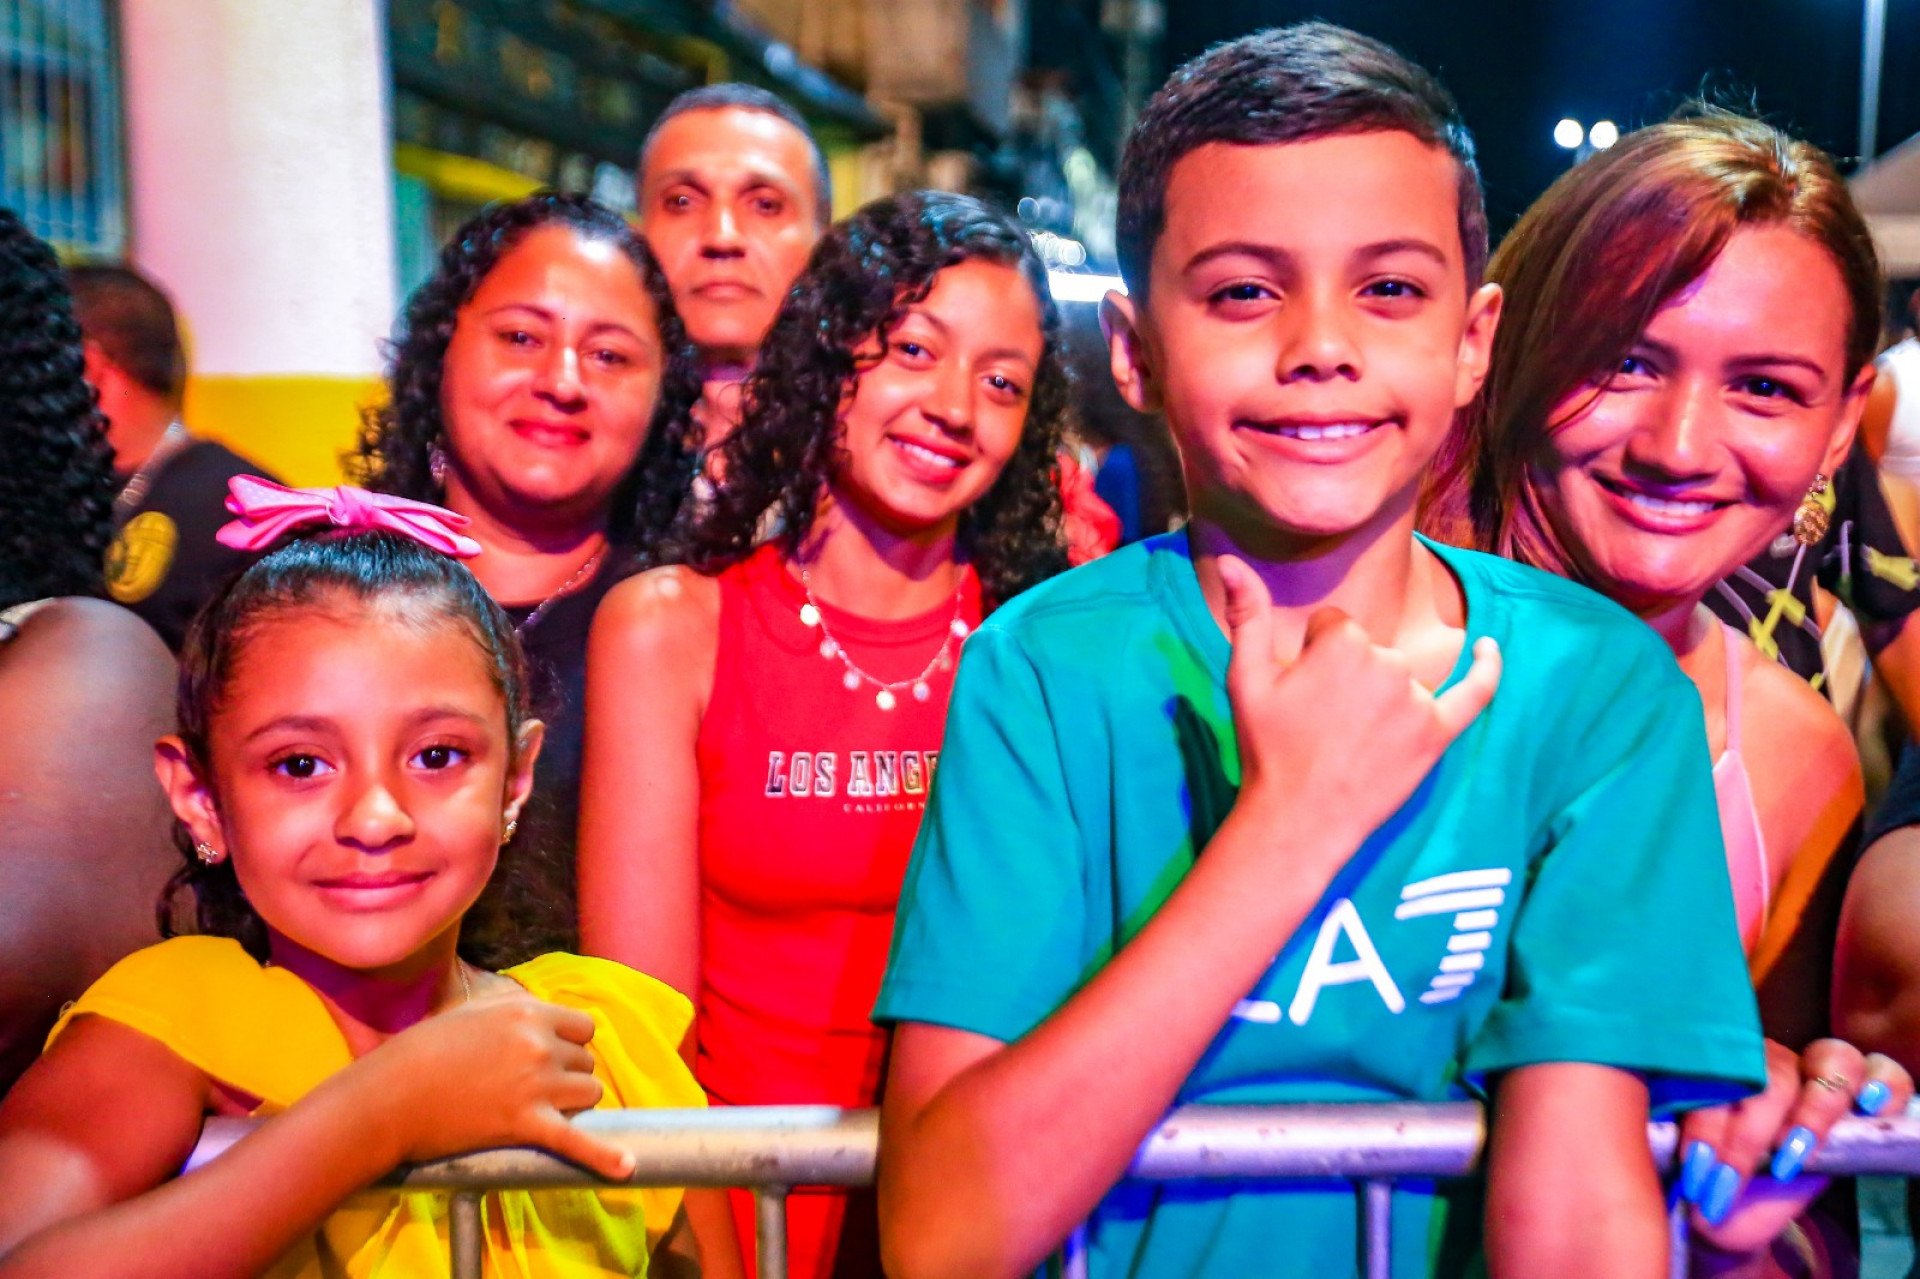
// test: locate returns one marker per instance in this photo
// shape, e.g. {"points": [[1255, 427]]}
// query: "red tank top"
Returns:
{"points": [[810, 797]]}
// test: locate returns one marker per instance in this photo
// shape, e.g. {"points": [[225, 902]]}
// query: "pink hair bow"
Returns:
{"points": [[270, 511]]}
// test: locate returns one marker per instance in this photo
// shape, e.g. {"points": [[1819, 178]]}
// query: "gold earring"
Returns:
{"points": [[1811, 519], [513, 825], [207, 853]]}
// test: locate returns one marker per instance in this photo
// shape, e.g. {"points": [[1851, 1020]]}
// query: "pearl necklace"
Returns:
{"points": [[831, 648]]}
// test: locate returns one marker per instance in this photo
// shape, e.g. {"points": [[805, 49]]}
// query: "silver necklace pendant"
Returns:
{"points": [[829, 649], [809, 615], [851, 679], [884, 699], [920, 690]]}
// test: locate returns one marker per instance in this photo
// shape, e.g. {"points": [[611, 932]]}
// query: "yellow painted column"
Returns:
{"points": [[259, 156]]}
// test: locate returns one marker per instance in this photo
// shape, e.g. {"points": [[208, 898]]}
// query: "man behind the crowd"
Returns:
{"points": [[733, 192], [163, 563]]}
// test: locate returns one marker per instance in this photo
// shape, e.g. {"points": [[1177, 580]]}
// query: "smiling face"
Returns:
{"points": [[550, 381], [361, 776], [1307, 331], [934, 418], [729, 206], [1693, 454]]}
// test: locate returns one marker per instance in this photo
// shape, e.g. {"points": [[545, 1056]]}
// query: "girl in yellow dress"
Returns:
{"points": [[354, 749]]}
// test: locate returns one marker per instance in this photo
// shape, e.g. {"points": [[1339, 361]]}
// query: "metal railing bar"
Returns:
{"points": [[825, 1146], [770, 1231], [1377, 1226], [463, 1235]]}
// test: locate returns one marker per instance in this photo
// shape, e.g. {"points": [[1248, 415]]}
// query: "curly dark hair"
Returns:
{"points": [[861, 279], [396, 438], [309, 571], [56, 468]]}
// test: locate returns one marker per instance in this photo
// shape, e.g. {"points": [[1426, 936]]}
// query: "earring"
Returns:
{"points": [[1811, 519], [513, 825], [207, 853], [437, 464]]}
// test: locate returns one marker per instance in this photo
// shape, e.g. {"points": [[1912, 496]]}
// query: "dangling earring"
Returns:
{"points": [[513, 825], [207, 853], [437, 464], [1811, 519]]}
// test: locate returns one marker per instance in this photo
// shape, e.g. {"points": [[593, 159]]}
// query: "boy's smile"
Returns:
{"points": [[1308, 331]]}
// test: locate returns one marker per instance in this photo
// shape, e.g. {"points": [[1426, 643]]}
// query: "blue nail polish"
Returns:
{"points": [[1873, 1098], [1721, 1192], [1792, 1155], [1695, 1169]]}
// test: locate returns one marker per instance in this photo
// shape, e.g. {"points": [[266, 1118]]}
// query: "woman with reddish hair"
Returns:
{"points": [[1690, 319]]}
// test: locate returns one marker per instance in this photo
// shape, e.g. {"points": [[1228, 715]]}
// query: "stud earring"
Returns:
{"points": [[513, 825], [1811, 518], [207, 853]]}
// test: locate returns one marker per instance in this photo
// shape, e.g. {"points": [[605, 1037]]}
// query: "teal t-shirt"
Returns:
{"points": [[1555, 890]]}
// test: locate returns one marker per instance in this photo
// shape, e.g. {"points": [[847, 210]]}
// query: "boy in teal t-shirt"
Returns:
{"points": [[1200, 831]]}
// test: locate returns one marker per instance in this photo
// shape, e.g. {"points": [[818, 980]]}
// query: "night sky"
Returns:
{"points": [[1518, 67]]}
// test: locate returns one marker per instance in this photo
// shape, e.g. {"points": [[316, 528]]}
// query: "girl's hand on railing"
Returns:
{"points": [[498, 1072], [1738, 1212]]}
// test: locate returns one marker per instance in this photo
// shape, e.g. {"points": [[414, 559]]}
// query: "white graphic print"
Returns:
{"points": [[1474, 897], [1323, 970]]}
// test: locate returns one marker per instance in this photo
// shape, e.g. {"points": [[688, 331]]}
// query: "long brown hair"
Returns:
{"points": [[1589, 265]]}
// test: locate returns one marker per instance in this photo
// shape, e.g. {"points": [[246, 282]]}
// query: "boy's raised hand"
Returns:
{"points": [[495, 1072], [1344, 732]]}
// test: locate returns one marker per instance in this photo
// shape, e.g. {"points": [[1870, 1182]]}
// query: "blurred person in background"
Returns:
{"points": [[538, 386], [86, 688], [164, 562]]}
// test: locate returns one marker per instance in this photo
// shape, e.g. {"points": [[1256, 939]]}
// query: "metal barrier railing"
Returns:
{"points": [[770, 1149]]}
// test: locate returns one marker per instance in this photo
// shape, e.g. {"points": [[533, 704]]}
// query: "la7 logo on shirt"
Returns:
{"points": [[1473, 897]]}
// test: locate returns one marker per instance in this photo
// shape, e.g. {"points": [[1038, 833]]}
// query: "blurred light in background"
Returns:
{"points": [[1603, 135], [1568, 133], [1070, 286]]}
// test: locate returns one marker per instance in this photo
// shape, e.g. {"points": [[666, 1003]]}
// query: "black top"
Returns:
{"points": [[1862, 560], [164, 563], [537, 867]]}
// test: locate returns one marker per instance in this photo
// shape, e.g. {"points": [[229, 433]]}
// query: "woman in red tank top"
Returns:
{"points": [[762, 727]]}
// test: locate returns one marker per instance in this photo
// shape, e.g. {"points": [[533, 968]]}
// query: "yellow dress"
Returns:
{"points": [[265, 1032]]}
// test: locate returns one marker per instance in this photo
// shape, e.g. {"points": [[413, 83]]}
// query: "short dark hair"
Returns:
{"points": [[750, 97], [1287, 84], [133, 323]]}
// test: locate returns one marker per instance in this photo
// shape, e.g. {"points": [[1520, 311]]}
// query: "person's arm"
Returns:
{"points": [[650, 669], [972, 1181], [91, 1135], [85, 690], [1807, 785], [1876, 977], [1571, 1189]]}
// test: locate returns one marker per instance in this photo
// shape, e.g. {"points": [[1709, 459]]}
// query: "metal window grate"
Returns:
{"points": [[60, 129]]}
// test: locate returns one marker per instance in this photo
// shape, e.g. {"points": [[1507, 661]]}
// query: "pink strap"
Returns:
{"points": [[270, 511]]}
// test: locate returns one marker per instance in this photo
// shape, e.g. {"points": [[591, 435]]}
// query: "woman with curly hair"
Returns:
{"points": [[763, 723], [84, 685], [539, 385]]}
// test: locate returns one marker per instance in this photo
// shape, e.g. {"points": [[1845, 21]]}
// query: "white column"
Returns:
{"points": [[260, 182]]}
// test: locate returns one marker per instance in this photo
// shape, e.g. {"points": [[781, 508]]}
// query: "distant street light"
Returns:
{"points": [[1569, 134], [1603, 134]]}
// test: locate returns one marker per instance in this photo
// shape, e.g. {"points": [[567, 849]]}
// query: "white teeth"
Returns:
{"points": [[1669, 506], [921, 451], [1331, 431]]}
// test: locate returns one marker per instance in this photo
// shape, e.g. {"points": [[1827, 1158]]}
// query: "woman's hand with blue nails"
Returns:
{"points": [[1742, 1165]]}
